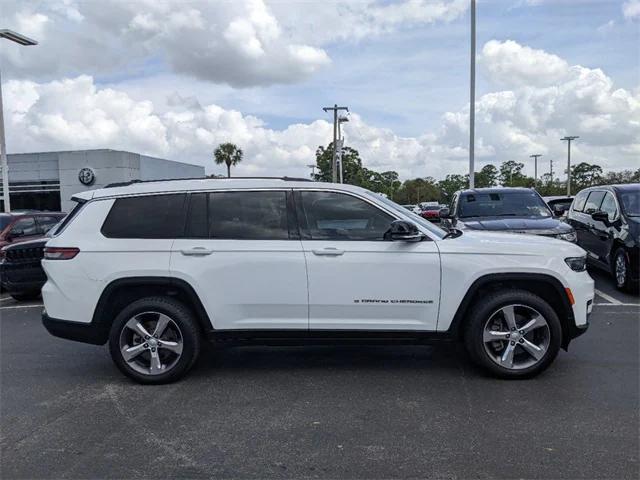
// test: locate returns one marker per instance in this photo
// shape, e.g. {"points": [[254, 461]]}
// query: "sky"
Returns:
{"points": [[175, 78]]}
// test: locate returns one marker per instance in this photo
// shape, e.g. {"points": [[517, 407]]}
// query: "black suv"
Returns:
{"points": [[607, 222], [513, 210]]}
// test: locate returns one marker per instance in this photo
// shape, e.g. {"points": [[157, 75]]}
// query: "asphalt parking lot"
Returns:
{"points": [[322, 412]]}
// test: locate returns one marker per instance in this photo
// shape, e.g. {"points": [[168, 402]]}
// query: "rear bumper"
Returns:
{"points": [[79, 332]]}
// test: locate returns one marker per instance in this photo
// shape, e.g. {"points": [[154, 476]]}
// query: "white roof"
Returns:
{"points": [[164, 186]]}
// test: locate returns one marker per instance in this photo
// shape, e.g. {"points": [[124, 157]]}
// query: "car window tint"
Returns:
{"points": [[337, 216], [580, 200], [593, 202], [149, 216], [609, 206], [248, 215], [198, 223], [24, 227]]}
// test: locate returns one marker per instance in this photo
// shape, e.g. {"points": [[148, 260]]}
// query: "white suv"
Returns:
{"points": [[152, 268]]}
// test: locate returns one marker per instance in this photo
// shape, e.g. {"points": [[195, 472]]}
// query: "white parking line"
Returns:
{"points": [[21, 306], [608, 298]]}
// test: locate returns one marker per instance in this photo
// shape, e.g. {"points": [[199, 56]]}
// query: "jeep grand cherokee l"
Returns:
{"points": [[153, 268]]}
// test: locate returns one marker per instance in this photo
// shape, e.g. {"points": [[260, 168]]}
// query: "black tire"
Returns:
{"points": [[182, 318], [25, 296], [626, 284], [482, 311]]}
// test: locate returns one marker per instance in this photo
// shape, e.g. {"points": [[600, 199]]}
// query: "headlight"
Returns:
{"points": [[577, 264], [569, 237]]}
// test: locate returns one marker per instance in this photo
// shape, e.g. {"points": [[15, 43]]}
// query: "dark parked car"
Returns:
{"points": [[21, 274], [514, 210], [559, 204], [21, 226], [607, 221]]}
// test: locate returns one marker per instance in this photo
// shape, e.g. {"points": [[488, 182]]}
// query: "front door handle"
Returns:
{"points": [[329, 251], [196, 251]]}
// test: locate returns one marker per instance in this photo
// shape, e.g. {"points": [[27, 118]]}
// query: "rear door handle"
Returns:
{"points": [[330, 252], [196, 251]]}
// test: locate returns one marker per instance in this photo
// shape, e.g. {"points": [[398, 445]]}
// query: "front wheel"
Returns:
{"points": [[513, 334], [154, 340]]}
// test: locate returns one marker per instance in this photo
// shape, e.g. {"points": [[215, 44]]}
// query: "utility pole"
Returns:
{"points": [[472, 97], [334, 163], [551, 171], [535, 168], [568, 139]]}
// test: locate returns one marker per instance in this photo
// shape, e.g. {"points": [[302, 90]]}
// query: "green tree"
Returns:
{"points": [[452, 183], [353, 172], [228, 154], [585, 175], [418, 190], [487, 176]]}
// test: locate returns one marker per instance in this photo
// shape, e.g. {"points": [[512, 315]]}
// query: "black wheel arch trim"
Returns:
{"points": [[567, 319]]}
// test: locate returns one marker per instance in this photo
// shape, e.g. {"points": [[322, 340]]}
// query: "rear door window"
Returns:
{"points": [[593, 201], [46, 223], [149, 216], [240, 215]]}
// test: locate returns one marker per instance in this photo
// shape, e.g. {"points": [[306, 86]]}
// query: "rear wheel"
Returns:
{"points": [[513, 334], [621, 271], [154, 340]]}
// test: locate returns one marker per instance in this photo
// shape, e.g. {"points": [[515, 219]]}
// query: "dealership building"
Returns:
{"points": [[47, 180]]}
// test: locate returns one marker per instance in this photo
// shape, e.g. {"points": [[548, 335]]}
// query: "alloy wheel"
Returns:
{"points": [[516, 337], [151, 343]]}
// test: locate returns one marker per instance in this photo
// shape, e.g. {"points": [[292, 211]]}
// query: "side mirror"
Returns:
{"points": [[445, 212], [600, 216], [401, 230]]}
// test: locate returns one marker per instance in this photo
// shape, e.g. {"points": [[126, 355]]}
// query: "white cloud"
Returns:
{"points": [[631, 9], [241, 43], [510, 62], [520, 119]]}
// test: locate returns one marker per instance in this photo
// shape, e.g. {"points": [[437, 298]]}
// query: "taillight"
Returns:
{"points": [[60, 253]]}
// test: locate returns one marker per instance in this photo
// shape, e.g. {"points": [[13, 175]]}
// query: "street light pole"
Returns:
{"points": [[335, 109], [535, 168], [341, 120], [568, 139], [25, 41], [472, 97]]}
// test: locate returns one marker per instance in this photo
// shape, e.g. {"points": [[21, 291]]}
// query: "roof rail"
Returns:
{"points": [[133, 182]]}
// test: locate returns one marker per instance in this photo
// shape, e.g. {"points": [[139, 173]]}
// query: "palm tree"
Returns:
{"points": [[228, 154]]}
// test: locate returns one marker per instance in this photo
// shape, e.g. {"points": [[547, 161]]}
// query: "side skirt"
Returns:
{"points": [[326, 337]]}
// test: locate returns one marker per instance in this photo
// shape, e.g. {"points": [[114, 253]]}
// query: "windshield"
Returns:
{"points": [[502, 204], [438, 232], [630, 202]]}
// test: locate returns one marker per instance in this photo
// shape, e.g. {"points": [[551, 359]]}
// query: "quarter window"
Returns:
{"points": [[338, 216], [593, 202], [149, 216], [241, 215], [609, 206]]}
